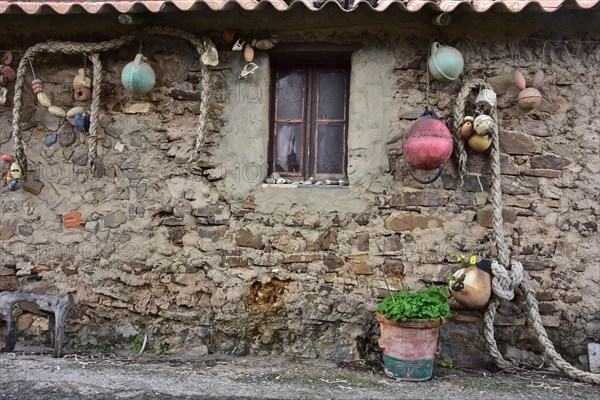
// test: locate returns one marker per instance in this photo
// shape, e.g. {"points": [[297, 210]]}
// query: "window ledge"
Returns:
{"points": [[291, 186]]}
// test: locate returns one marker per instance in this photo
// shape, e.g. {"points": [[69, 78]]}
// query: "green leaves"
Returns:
{"points": [[430, 303]]}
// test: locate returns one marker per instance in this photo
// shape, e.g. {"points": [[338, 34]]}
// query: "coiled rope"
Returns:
{"points": [[92, 49], [507, 274]]}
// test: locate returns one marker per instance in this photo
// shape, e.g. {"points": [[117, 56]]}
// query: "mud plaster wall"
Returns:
{"points": [[204, 255]]}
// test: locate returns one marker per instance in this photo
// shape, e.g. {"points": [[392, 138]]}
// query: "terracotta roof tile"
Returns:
{"points": [[122, 6]]}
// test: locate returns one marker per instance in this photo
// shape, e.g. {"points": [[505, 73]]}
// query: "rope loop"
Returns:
{"points": [[92, 50]]}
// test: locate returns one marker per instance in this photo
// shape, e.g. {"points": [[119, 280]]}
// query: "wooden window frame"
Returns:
{"points": [[310, 63]]}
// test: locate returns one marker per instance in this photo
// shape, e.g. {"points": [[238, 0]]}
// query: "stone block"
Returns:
{"points": [[7, 232], [469, 183], [392, 244], [236, 261], [516, 143], [544, 295], [66, 136], [80, 157], [207, 211], [543, 173], [211, 232], [9, 284], [572, 298], [286, 243], [594, 357], [360, 265], [302, 258], [524, 185], [535, 128], [464, 199], [182, 208], [485, 216], [549, 162], [361, 242], [420, 198], [131, 162], [34, 187], [410, 222], [550, 321], [332, 262], [92, 226], [245, 238], [135, 267], [139, 108], [115, 219]]}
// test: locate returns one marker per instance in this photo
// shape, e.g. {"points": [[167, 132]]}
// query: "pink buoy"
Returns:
{"points": [[428, 144]]}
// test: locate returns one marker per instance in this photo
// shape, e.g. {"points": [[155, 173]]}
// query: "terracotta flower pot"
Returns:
{"points": [[409, 347]]}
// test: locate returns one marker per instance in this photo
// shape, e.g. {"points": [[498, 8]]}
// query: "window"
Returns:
{"points": [[309, 116]]}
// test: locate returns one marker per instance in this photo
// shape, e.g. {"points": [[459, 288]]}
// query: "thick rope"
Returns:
{"points": [[95, 109], [504, 281], [54, 47]]}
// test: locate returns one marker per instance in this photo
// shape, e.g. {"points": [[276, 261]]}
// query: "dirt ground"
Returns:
{"points": [[28, 374]]}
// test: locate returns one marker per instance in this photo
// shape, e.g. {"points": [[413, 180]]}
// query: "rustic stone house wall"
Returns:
{"points": [[205, 254]]}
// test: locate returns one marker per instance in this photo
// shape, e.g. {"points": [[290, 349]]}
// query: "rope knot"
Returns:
{"points": [[504, 281]]}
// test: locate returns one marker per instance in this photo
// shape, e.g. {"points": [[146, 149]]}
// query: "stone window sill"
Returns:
{"points": [[290, 186]]}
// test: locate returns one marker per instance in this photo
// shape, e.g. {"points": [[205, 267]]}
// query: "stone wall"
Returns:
{"points": [[206, 255]]}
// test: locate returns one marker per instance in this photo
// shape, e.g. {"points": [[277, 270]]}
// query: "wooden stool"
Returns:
{"points": [[59, 306]]}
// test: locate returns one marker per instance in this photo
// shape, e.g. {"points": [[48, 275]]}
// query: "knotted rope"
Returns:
{"points": [[93, 133], [94, 48], [506, 278]]}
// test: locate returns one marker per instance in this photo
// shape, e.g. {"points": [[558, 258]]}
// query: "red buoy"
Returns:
{"points": [[428, 144]]}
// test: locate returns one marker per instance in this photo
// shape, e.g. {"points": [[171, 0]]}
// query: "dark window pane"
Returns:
{"points": [[332, 89], [287, 148], [330, 149], [290, 91]]}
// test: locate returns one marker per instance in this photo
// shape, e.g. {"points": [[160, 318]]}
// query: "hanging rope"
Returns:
{"points": [[58, 47], [93, 133], [507, 274]]}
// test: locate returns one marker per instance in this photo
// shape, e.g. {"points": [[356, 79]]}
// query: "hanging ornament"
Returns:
{"points": [[483, 124], [57, 111], [210, 55], [472, 286], [229, 35], [7, 58], [238, 45], [445, 63], [428, 144], [248, 53], [82, 86], [529, 98], [480, 143], [13, 176], [249, 69], [467, 127], [138, 76], [81, 122], [263, 44], [7, 74], [38, 90]]}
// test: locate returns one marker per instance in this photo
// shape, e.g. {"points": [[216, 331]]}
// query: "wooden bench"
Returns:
{"points": [[58, 306]]}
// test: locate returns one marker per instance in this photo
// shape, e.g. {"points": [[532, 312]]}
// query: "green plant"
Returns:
{"points": [[103, 346], [430, 303], [137, 344], [76, 343], [446, 363], [462, 259], [163, 348]]}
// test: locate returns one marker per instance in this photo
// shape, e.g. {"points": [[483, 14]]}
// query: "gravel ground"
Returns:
{"points": [[92, 375]]}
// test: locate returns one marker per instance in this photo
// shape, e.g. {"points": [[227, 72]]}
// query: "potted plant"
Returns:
{"points": [[410, 324]]}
